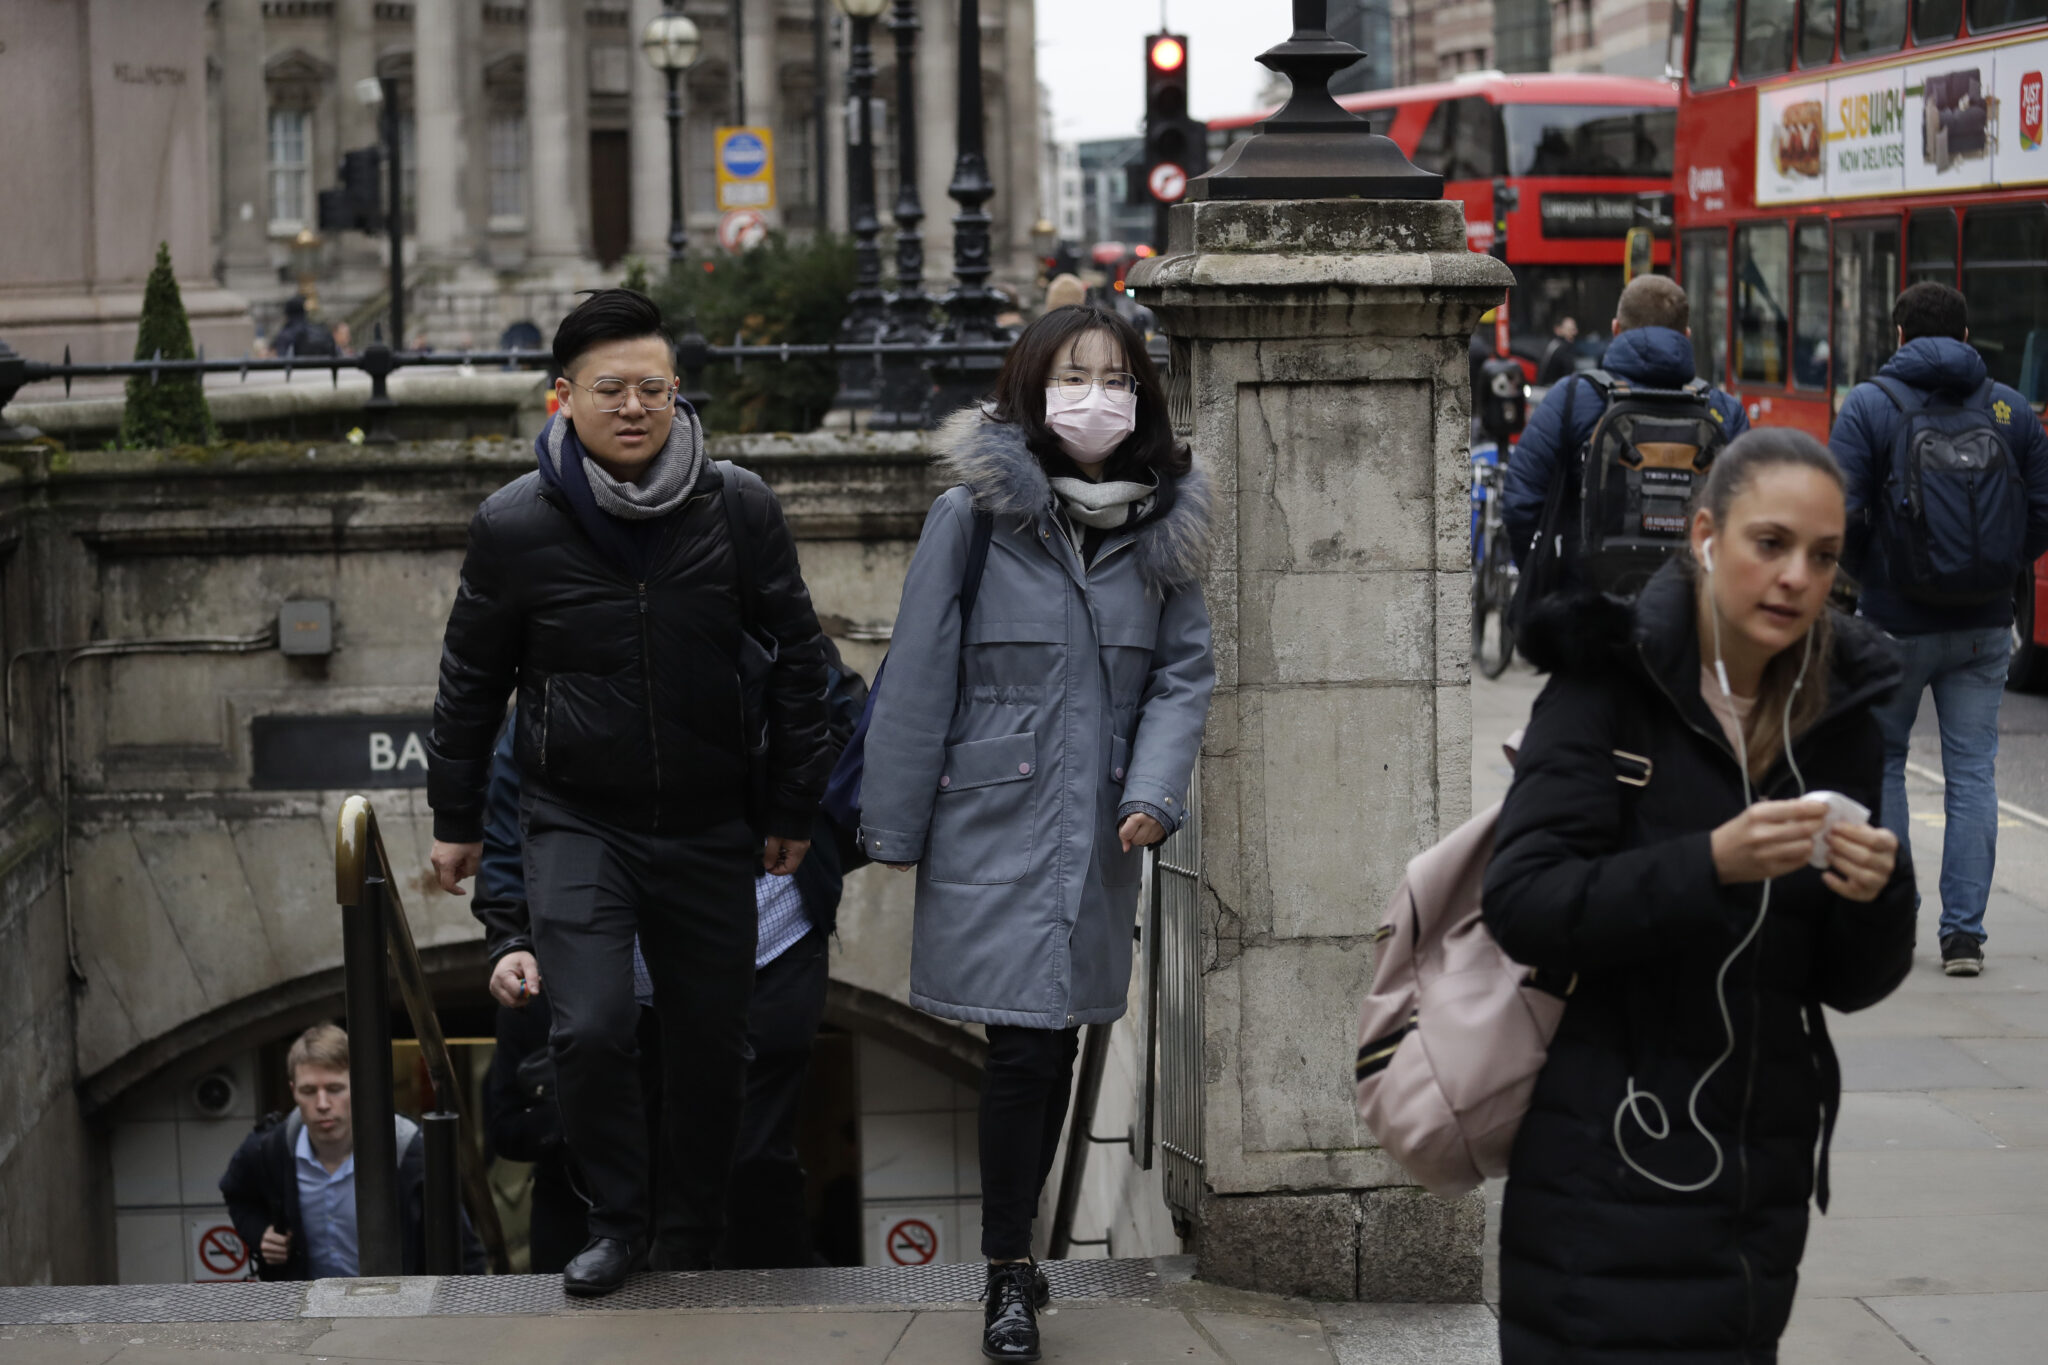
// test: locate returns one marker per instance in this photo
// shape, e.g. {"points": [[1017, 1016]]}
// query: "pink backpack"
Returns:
{"points": [[1453, 1032]]}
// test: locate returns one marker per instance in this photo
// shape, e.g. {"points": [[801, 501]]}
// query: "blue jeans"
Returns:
{"points": [[1966, 670]]}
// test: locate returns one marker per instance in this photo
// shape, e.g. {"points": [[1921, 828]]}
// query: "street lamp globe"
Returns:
{"points": [[671, 42], [861, 9]]}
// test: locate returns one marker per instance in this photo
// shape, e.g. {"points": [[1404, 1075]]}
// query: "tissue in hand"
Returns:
{"points": [[1842, 810]]}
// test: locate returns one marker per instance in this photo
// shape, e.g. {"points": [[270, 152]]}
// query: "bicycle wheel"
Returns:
{"points": [[1493, 643]]}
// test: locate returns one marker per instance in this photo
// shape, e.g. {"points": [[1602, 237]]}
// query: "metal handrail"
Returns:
{"points": [[375, 930]]}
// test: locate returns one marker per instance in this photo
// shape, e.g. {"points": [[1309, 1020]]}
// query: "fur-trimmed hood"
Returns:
{"points": [[990, 458]]}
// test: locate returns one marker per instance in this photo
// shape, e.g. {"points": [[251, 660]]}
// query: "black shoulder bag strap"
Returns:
{"points": [[977, 563], [742, 543]]}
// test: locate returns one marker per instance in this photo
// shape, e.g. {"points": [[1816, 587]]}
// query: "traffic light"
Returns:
{"points": [[357, 205], [1176, 146]]}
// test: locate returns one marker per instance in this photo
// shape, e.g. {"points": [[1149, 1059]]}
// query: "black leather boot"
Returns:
{"points": [[602, 1267], [1010, 1329]]}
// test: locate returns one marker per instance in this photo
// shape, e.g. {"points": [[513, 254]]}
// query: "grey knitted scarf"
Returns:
{"points": [[669, 478]]}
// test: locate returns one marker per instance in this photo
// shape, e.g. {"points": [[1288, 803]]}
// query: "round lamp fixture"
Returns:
{"points": [[1168, 54], [671, 42], [861, 9]]}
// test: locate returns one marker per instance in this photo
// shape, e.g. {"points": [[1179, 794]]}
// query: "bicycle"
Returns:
{"points": [[1493, 569]]}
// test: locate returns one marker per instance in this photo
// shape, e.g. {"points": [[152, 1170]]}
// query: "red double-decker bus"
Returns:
{"points": [[1578, 150], [1831, 152]]}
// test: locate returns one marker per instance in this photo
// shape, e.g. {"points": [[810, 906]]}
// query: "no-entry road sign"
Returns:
{"points": [[1168, 181]]}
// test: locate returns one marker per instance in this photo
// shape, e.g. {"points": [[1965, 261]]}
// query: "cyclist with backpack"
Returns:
{"points": [[1655, 857], [1948, 505], [1036, 726], [1645, 427]]}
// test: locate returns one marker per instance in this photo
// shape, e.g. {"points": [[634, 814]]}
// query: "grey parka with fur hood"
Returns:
{"points": [[999, 764]]}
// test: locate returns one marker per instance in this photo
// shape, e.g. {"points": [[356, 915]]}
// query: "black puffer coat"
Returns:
{"points": [[629, 693], [1616, 883]]}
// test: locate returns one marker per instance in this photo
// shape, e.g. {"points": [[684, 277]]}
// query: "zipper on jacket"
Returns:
{"points": [[547, 706], [647, 681]]}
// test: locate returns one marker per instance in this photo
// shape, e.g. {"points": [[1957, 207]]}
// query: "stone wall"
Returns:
{"points": [[203, 907]]}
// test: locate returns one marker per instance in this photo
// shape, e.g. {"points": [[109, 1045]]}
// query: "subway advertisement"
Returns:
{"points": [[1961, 121]]}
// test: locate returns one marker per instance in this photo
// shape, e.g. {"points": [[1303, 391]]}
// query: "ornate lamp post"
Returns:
{"points": [[971, 306], [671, 43], [866, 318], [906, 383]]}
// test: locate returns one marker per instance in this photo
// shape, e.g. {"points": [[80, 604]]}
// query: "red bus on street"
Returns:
{"points": [[1579, 150], [1831, 152]]}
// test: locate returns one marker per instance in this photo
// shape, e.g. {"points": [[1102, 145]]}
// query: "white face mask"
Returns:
{"points": [[1091, 425]]}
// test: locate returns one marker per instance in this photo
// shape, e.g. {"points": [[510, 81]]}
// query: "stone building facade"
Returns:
{"points": [[536, 146]]}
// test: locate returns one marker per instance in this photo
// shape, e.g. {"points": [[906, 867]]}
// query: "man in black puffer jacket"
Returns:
{"points": [[608, 588]]}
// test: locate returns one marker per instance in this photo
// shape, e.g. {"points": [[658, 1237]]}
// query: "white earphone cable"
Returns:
{"points": [[1633, 1100]]}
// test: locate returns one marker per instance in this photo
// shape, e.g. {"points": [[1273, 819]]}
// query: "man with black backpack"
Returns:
{"points": [[1598, 487], [1947, 475], [648, 607]]}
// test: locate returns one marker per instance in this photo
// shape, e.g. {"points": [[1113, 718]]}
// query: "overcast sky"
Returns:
{"points": [[1091, 56]]}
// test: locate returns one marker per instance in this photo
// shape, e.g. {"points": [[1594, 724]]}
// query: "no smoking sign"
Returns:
{"points": [[1168, 182], [217, 1253], [911, 1240]]}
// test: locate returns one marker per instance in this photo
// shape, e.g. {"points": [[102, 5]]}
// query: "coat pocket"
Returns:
{"points": [[594, 733], [984, 818], [1118, 867]]}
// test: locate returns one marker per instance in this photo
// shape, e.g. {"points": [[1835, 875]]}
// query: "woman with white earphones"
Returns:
{"points": [[1656, 843]]}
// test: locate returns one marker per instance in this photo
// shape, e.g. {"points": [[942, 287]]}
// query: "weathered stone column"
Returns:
{"points": [[441, 136], [1319, 365], [551, 202], [244, 150], [649, 148]]}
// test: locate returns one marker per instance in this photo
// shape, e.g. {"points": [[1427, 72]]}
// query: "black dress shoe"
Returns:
{"points": [[1010, 1329], [601, 1267]]}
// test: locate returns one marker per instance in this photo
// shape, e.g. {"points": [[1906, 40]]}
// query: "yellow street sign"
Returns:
{"points": [[746, 168]]}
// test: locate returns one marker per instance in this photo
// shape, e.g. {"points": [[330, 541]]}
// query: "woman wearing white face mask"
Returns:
{"points": [[1036, 729]]}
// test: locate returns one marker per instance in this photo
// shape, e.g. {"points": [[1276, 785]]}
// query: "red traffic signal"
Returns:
{"points": [[1167, 53]]}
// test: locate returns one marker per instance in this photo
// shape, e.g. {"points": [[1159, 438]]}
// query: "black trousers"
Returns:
{"points": [[690, 897], [1023, 1107], [769, 1222]]}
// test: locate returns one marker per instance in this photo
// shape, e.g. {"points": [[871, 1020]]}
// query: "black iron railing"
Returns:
{"points": [[377, 945]]}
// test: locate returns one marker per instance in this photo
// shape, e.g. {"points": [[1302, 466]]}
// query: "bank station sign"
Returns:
{"points": [[1966, 120]]}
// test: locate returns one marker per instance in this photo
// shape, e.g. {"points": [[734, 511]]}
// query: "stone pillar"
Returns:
{"points": [[938, 95], [356, 125], [650, 149], [551, 203], [1025, 138], [245, 148], [764, 91], [1319, 356], [441, 135]]}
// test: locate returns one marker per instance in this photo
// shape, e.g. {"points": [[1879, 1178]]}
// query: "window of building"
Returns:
{"points": [[290, 152], [1931, 247], [1704, 256], [1588, 139], [1462, 141], [1936, 21], [1766, 37], [2007, 289], [1817, 33], [1810, 286], [508, 164], [1986, 14], [1713, 43], [1872, 26], [1760, 293], [1866, 278]]}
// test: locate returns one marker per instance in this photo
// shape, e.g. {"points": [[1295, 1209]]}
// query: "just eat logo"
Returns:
{"points": [[2030, 111]]}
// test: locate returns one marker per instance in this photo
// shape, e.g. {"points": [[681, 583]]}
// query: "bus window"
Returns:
{"points": [[1810, 304], [1936, 21], [1766, 38], [1872, 26], [1866, 279], [1760, 315], [1588, 139], [1705, 254], [1817, 33], [1713, 43], [2007, 289], [1931, 247], [1986, 14], [1462, 141]]}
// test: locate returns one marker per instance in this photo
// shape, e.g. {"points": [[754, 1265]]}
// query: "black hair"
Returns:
{"points": [[1928, 309], [607, 315], [1020, 392]]}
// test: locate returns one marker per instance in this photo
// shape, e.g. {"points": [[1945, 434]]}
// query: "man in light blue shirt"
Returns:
{"points": [[327, 1204]]}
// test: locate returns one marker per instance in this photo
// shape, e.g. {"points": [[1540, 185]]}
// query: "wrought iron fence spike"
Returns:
{"points": [[67, 371]]}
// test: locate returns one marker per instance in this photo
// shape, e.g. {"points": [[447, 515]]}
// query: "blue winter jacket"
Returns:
{"points": [[1862, 442], [1655, 357]]}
